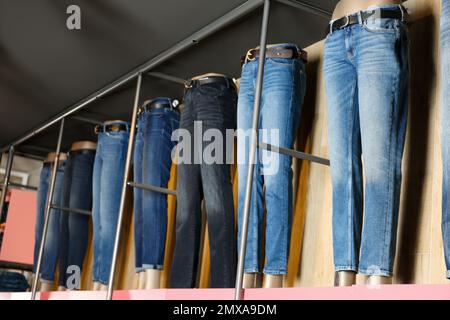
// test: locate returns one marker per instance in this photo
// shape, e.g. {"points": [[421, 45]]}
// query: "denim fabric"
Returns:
{"points": [[445, 59], [51, 246], [109, 169], [152, 163], [13, 282], [214, 105], [74, 227], [366, 73], [282, 96]]}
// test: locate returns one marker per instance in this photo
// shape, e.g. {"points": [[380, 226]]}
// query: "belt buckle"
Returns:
{"points": [[188, 84], [347, 22], [250, 56]]}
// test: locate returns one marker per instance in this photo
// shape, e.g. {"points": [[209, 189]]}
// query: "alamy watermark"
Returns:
{"points": [[214, 146], [73, 21]]}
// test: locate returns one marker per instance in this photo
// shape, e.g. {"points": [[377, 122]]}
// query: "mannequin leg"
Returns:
{"points": [[273, 281], [152, 279], [46, 287], [249, 280], [141, 280], [62, 288], [252, 280], [99, 287], [379, 280], [346, 278]]}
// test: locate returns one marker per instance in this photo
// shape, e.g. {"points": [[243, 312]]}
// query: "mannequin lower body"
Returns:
{"points": [[367, 115], [348, 278], [149, 279]]}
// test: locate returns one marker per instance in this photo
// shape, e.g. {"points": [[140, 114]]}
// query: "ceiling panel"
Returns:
{"points": [[45, 68]]}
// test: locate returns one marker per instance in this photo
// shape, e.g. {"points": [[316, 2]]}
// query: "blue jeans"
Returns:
{"points": [[51, 246], [152, 164], [366, 74], [445, 59], [282, 96], [109, 169], [74, 227]]}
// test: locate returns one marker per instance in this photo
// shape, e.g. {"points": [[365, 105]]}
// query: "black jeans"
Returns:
{"points": [[214, 107]]}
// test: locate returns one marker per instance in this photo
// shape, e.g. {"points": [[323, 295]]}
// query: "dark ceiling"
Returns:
{"points": [[45, 68]]}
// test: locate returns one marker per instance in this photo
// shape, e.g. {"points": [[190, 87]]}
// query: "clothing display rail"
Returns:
{"points": [[138, 73], [71, 210]]}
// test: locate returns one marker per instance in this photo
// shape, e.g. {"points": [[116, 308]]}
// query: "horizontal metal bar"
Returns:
{"points": [[307, 7], [15, 266], [86, 120], [152, 188], [71, 210], [294, 153], [29, 156], [187, 43], [167, 77], [20, 186]]}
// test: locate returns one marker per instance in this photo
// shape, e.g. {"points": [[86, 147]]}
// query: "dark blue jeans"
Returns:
{"points": [[74, 227], [109, 169], [51, 246], [445, 54], [152, 163], [214, 107]]}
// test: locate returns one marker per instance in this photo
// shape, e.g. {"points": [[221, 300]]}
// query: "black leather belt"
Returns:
{"points": [[80, 151], [158, 104], [226, 81], [399, 14], [277, 52], [114, 127]]}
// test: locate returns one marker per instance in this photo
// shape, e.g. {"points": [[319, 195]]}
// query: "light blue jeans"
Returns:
{"points": [[366, 73], [109, 169], [51, 246], [282, 96], [445, 59]]}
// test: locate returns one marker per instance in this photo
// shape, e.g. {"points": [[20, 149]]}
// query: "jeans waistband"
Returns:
{"points": [[397, 12], [115, 126], [159, 103], [81, 151]]}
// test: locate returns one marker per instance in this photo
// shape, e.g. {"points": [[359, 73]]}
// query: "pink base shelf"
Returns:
{"points": [[392, 292]]}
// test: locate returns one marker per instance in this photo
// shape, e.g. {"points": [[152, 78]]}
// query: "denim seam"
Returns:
{"points": [[286, 215], [346, 268], [390, 177], [379, 272], [350, 253]]}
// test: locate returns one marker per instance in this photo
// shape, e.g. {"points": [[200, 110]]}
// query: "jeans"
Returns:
{"points": [[366, 73], [282, 97], [51, 246], [74, 227], [214, 107], [445, 59], [109, 170], [152, 164]]}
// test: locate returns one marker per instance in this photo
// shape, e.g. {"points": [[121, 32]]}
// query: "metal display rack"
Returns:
{"points": [[138, 74]]}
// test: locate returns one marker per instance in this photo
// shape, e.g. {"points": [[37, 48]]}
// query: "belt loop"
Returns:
{"points": [[360, 19], [403, 12]]}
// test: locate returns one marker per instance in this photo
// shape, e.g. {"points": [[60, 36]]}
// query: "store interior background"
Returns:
{"points": [[419, 257]]}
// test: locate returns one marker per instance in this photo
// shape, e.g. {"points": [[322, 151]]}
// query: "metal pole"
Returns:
{"points": [[47, 211], [7, 176], [252, 151], [307, 7], [152, 188], [124, 189]]}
